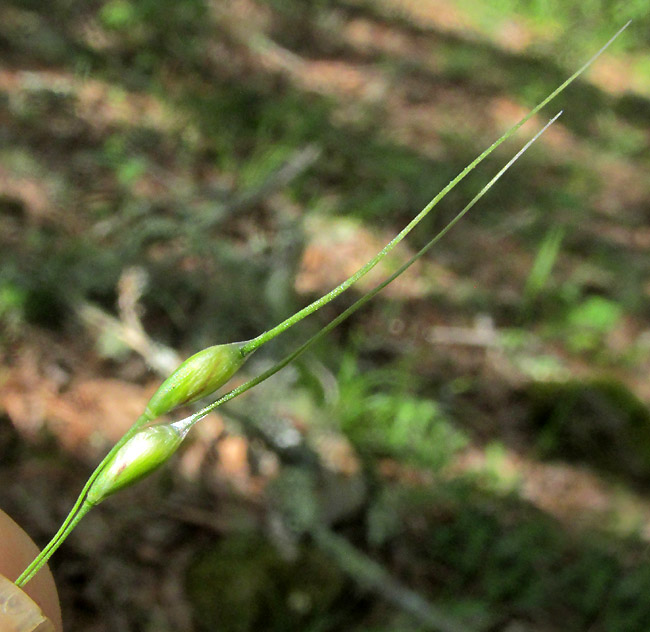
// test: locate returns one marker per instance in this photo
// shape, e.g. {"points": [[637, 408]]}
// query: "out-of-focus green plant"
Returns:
{"points": [[12, 306], [544, 262], [590, 321], [379, 417], [117, 14]]}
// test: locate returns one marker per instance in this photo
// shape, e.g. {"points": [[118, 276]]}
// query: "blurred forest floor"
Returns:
{"points": [[471, 451]]}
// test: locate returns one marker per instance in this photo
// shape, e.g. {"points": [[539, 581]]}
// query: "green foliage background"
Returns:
{"points": [[140, 133]]}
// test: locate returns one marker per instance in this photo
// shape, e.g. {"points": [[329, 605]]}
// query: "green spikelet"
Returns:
{"points": [[201, 374], [147, 450]]}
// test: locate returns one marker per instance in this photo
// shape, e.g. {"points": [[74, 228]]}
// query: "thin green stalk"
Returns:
{"points": [[263, 338], [80, 508], [367, 297], [63, 531]]}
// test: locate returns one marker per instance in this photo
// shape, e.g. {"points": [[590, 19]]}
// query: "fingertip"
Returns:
{"points": [[17, 550]]}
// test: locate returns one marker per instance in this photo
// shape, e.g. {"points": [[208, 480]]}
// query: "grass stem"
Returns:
{"points": [[263, 338], [367, 297], [71, 518], [81, 506]]}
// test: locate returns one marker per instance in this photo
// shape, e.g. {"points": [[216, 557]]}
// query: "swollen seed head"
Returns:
{"points": [[138, 457], [201, 374]]}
